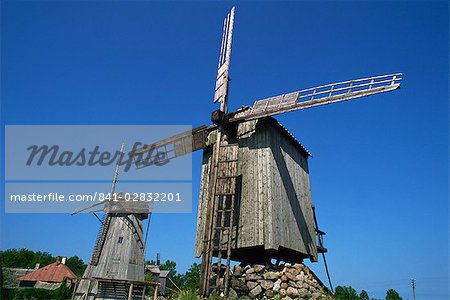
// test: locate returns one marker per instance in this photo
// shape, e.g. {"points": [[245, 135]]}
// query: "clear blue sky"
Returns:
{"points": [[380, 168]]}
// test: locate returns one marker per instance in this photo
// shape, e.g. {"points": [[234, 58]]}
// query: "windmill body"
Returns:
{"points": [[118, 256], [273, 215]]}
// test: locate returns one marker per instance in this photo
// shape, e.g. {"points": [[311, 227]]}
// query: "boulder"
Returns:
{"points": [[277, 285], [284, 285], [270, 275], [266, 284], [294, 272], [259, 268], [303, 293], [255, 291], [269, 293], [249, 271], [232, 294], [300, 277], [290, 276], [284, 278], [298, 266], [253, 276], [251, 284], [239, 285], [304, 285], [282, 292], [292, 292]]}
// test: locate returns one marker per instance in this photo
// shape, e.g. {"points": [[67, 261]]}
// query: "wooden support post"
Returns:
{"points": [[75, 288], [88, 291], [221, 201], [155, 294], [143, 291], [230, 238], [130, 292]]}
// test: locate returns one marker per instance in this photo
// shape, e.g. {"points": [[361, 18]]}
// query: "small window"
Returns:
{"points": [[120, 239]]}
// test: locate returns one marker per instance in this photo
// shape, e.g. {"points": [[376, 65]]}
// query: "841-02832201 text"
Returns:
{"points": [[102, 197], [144, 197]]}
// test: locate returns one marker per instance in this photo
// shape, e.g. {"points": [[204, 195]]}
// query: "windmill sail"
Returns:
{"points": [[321, 95], [222, 80], [172, 147]]}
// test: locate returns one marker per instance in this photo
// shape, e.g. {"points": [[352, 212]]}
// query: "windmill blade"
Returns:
{"points": [[115, 179], [86, 208], [172, 147], [222, 79], [321, 95]]}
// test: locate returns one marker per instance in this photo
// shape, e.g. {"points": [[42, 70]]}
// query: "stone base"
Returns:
{"points": [[285, 281]]}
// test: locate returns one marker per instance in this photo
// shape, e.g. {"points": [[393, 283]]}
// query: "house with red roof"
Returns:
{"points": [[49, 277]]}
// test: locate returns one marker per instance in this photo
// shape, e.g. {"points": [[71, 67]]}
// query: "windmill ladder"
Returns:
{"points": [[101, 237], [223, 218]]}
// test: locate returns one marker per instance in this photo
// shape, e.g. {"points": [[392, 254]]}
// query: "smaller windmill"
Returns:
{"points": [[116, 269], [255, 198]]}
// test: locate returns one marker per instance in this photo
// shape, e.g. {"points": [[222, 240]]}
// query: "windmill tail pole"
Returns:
{"points": [[323, 254], [328, 273], [146, 233]]}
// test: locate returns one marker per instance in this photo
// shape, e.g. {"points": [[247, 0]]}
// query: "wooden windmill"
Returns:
{"points": [[255, 201], [116, 269]]}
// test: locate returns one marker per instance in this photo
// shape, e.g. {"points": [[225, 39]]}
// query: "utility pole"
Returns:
{"points": [[413, 284]]}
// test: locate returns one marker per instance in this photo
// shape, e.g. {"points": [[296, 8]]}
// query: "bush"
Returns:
{"points": [[345, 293], [61, 293], [187, 294]]}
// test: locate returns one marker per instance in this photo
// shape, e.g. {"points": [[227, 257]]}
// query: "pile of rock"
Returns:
{"points": [[285, 281]]}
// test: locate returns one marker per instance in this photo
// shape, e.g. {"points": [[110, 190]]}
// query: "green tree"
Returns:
{"points": [[170, 266], [2, 294], [392, 295], [363, 295], [150, 288], [345, 293], [192, 278], [77, 265], [174, 276], [24, 258]]}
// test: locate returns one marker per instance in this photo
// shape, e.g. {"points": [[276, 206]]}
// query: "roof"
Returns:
{"points": [[153, 269], [54, 272], [288, 135], [279, 126], [164, 273]]}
